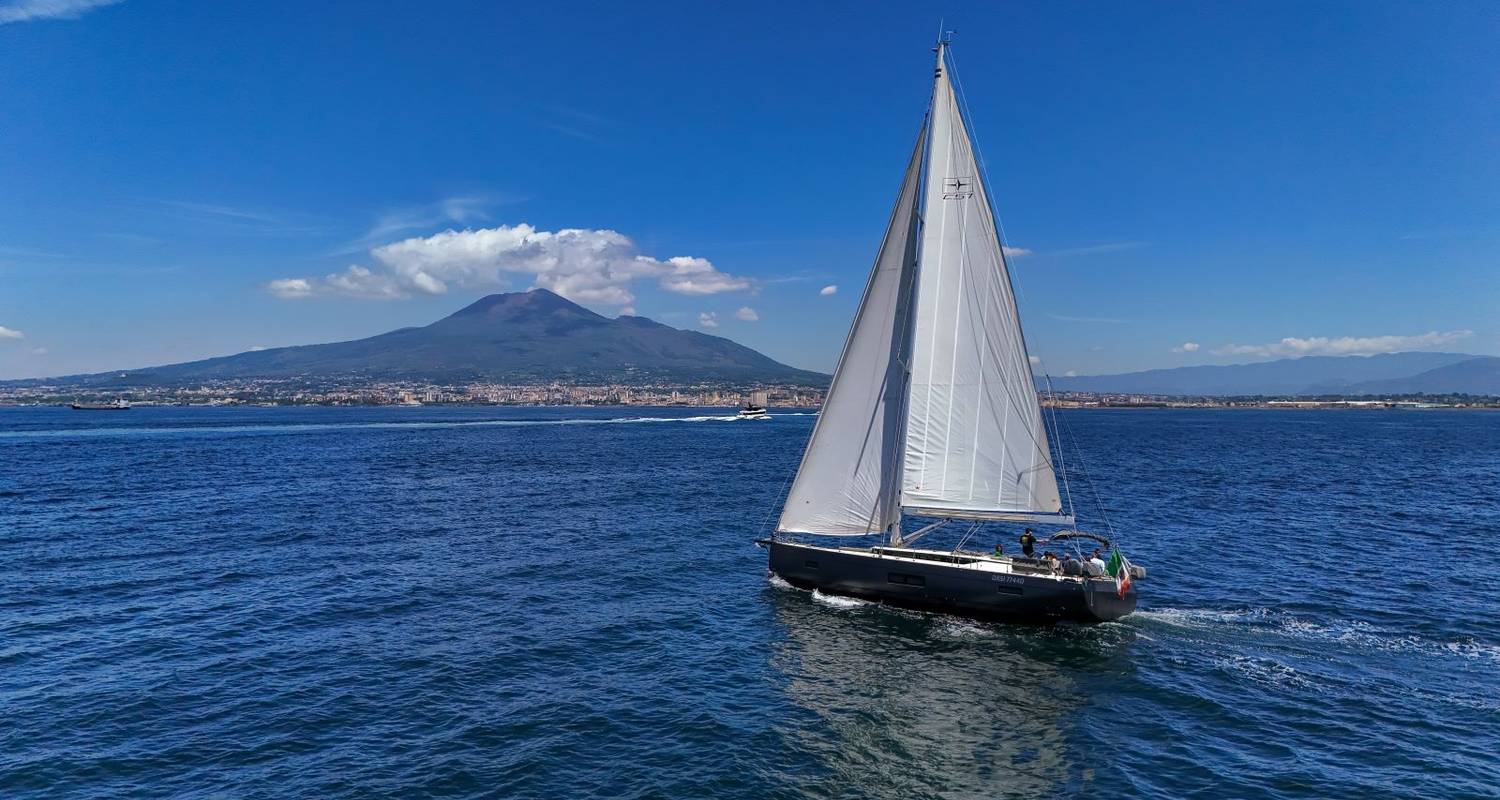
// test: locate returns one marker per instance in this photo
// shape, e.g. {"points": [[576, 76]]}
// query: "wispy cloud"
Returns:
{"points": [[27, 252], [587, 266], [1094, 249], [829, 290], [569, 130], [240, 220], [10, 333], [458, 210], [1104, 320], [579, 124], [747, 314], [212, 210], [1343, 345], [708, 319], [1186, 347], [1014, 252], [28, 10]]}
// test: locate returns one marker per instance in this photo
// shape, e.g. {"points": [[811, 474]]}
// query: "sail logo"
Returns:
{"points": [[958, 188]]}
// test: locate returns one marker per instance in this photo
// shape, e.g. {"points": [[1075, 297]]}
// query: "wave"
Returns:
{"points": [[839, 601], [318, 427]]}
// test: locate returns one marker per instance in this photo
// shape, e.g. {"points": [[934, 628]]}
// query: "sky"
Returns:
{"points": [[1182, 183]]}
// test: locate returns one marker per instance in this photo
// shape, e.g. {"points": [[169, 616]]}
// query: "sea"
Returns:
{"points": [[567, 602]]}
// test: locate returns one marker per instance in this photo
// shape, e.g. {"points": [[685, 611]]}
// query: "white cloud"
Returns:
{"points": [[828, 290], [27, 10], [256, 348], [290, 288], [1186, 347], [39, 351], [1014, 252], [747, 314], [587, 266], [627, 311], [1034, 359], [1343, 345], [8, 333], [1072, 373], [708, 319]]}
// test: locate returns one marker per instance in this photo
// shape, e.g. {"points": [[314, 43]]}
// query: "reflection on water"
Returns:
{"points": [[905, 704]]}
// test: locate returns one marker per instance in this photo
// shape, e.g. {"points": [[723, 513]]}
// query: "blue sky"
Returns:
{"points": [[1195, 183]]}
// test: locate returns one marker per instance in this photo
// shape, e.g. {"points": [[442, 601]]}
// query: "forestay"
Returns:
{"points": [[975, 445], [849, 480]]}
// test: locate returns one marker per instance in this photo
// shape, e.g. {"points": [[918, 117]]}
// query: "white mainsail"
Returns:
{"points": [[849, 482], [932, 409], [975, 443]]}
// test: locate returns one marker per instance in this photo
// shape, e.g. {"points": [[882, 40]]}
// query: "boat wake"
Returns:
{"points": [[839, 601], [1353, 634], [778, 582]]}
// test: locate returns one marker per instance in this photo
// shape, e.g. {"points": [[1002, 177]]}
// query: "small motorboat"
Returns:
{"points": [[754, 408]]}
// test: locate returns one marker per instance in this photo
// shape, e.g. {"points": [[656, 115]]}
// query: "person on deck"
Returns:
{"points": [[1051, 560], [1028, 544], [999, 549], [1096, 563]]}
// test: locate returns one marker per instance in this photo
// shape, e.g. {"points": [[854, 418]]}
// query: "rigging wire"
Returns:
{"points": [[1093, 488]]}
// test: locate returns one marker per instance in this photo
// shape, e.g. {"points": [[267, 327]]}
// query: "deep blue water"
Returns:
{"points": [[501, 603]]}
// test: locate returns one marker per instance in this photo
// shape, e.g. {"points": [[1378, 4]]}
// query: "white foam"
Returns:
{"points": [[1263, 670], [964, 629], [1200, 617], [777, 581], [839, 601]]}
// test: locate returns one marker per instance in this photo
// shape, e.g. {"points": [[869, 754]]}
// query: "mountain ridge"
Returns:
{"points": [[1308, 375], [519, 337]]}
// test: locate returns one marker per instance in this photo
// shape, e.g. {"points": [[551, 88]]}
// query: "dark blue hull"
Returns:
{"points": [[968, 586]]}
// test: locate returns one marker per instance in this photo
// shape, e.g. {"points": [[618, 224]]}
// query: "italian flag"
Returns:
{"points": [[1120, 568]]}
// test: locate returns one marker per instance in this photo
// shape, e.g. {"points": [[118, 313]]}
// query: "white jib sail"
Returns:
{"points": [[975, 442], [849, 481]]}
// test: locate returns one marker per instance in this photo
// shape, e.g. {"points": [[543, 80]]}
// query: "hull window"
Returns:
{"points": [[1003, 589], [905, 579], [810, 564]]}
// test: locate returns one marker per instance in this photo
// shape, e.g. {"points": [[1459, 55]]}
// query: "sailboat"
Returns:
{"points": [[933, 418]]}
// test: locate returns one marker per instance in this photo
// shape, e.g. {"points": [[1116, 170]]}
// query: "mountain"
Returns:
{"points": [[522, 337], [1310, 375], [1478, 375]]}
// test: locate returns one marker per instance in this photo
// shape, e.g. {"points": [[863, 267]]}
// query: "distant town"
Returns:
{"points": [[305, 392], [400, 393]]}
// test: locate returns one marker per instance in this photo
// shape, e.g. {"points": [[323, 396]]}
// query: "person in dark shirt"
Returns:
{"points": [[1028, 544]]}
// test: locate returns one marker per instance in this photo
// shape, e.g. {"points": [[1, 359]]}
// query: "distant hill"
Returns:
{"points": [[1311, 375], [521, 337], [1478, 375]]}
